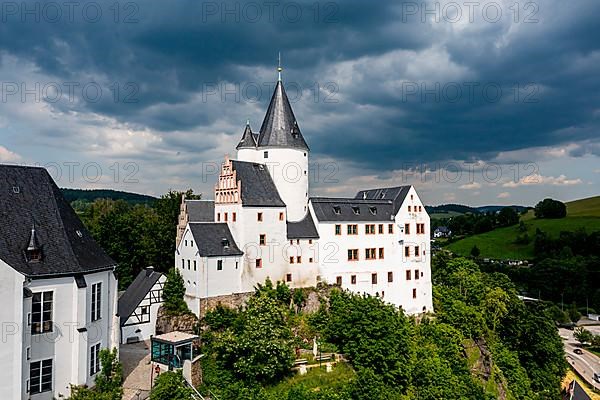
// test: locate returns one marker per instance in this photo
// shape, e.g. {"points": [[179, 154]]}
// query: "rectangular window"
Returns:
{"points": [[414, 293], [40, 376], [406, 251], [369, 229], [94, 359], [338, 281], [409, 208], [291, 259], [370, 254], [374, 279], [259, 263], [390, 277], [407, 229], [380, 229], [417, 274], [96, 301], [353, 279], [299, 260], [41, 312], [218, 217], [421, 228], [266, 154], [408, 275], [352, 254], [219, 265], [420, 209], [390, 228], [182, 263], [225, 217], [262, 240], [281, 216], [188, 263], [185, 241], [310, 260], [233, 217], [288, 277], [259, 217], [309, 241], [352, 229], [338, 229], [194, 265], [381, 253], [417, 252]]}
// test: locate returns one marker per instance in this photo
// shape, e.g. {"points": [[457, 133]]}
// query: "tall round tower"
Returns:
{"points": [[282, 148]]}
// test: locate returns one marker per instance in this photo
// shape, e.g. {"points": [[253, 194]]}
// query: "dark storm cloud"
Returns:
{"points": [[173, 50]]}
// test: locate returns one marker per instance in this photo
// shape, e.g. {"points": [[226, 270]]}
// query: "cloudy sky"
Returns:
{"points": [[492, 102]]}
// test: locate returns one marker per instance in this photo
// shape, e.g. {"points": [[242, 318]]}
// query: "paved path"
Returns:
{"points": [[136, 370], [585, 364]]}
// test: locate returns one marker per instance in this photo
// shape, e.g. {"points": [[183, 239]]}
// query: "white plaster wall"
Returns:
{"points": [[289, 170], [69, 348], [11, 320], [206, 280], [333, 258], [273, 254]]}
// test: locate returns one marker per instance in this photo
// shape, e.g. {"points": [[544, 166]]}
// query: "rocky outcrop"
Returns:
{"points": [[166, 323]]}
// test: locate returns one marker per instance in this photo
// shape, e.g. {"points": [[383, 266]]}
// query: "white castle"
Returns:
{"points": [[263, 224]]}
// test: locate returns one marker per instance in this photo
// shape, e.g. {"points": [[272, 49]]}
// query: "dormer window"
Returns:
{"points": [[266, 154], [373, 210], [337, 210], [356, 210], [225, 243], [33, 253]]}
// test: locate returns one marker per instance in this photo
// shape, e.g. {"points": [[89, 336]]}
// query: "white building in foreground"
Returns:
{"points": [[58, 291], [263, 224]]}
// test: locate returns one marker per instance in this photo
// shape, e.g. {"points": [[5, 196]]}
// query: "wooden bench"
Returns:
{"points": [[324, 357], [300, 361]]}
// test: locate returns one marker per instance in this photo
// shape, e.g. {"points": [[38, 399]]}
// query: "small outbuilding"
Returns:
{"points": [[138, 306]]}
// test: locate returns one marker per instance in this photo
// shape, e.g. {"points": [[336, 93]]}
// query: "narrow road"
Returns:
{"points": [[585, 364]]}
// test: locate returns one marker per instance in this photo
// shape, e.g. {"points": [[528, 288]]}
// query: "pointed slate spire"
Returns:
{"points": [[280, 128], [248, 138]]}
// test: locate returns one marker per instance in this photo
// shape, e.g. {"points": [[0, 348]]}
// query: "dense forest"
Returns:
{"points": [[482, 343], [135, 235]]}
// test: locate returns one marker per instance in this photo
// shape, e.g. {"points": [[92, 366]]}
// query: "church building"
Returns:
{"points": [[262, 224]]}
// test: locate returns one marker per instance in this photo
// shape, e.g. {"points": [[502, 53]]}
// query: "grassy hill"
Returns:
{"points": [[500, 244]]}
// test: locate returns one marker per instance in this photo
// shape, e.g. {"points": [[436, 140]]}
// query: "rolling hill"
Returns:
{"points": [[500, 243], [93, 194]]}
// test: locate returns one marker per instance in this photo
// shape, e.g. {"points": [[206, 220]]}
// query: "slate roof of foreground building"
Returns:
{"points": [[214, 239], [30, 200], [258, 188]]}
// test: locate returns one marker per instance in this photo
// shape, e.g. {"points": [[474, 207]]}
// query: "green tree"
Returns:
{"points": [[258, 347], [108, 381], [173, 293], [507, 217], [171, 386], [549, 208], [582, 335], [495, 306]]}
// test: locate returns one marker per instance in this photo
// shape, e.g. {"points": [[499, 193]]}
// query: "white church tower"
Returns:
{"points": [[282, 148]]}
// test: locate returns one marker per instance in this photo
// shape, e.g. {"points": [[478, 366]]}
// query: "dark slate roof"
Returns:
{"points": [[258, 188], [135, 293], [209, 238], [368, 210], [248, 138], [200, 210], [396, 194], [303, 229], [29, 196], [280, 128]]}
